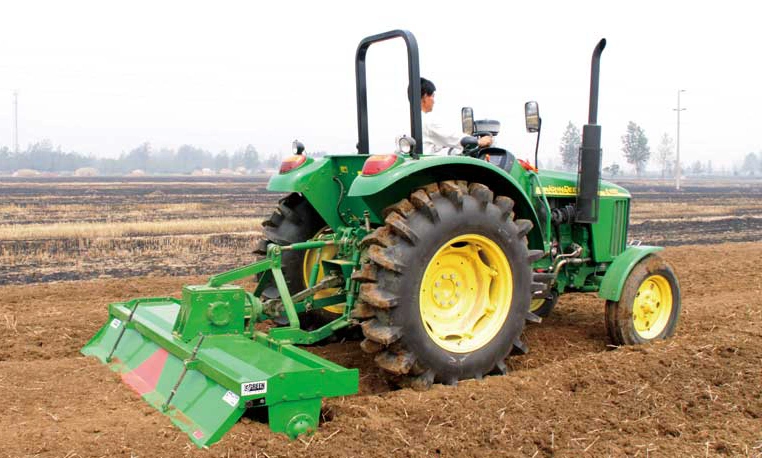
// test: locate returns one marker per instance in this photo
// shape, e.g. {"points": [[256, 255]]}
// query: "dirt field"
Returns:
{"points": [[698, 394]]}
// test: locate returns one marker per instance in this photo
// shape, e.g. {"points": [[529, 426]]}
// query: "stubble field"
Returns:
{"points": [[68, 248]]}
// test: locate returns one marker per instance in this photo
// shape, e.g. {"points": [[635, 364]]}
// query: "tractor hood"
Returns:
{"points": [[564, 184]]}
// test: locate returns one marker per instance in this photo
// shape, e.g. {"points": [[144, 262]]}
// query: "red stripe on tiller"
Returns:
{"points": [[146, 376]]}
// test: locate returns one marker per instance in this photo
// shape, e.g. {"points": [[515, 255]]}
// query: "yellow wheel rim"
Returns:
{"points": [[466, 293], [310, 258], [536, 304], [652, 307]]}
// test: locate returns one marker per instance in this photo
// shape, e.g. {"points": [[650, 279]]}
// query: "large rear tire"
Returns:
{"points": [[649, 306], [448, 284]]}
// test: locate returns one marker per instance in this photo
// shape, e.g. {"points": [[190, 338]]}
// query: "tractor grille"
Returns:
{"points": [[619, 227]]}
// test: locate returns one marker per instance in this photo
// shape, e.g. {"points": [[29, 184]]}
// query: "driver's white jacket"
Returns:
{"points": [[437, 139]]}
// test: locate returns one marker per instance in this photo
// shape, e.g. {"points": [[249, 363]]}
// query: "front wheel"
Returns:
{"points": [[649, 306], [542, 306]]}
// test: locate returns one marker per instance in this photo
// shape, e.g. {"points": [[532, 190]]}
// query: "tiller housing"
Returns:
{"points": [[202, 361]]}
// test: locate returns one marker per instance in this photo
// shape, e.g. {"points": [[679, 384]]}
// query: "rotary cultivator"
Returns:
{"points": [[439, 260]]}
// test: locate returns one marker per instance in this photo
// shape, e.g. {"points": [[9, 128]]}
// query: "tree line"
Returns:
{"points": [[752, 164], [44, 157], [637, 153]]}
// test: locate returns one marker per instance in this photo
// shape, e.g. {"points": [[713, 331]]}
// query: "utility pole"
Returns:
{"points": [[16, 121], [677, 160]]}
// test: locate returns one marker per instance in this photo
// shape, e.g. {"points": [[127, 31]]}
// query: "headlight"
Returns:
{"points": [[405, 144]]}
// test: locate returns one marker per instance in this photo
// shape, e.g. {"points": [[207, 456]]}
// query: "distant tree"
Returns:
{"points": [[273, 161], [7, 159], [247, 157], [109, 166], [250, 157], [751, 164], [612, 170], [709, 170], [190, 158], [222, 161], [570, 143], [665, 154], [635, 147], [39, 156], [137, 158], [163, 161], [697, 168]]}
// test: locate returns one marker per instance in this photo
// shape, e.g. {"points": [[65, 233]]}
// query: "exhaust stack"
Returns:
{"points": [[589, 167]]}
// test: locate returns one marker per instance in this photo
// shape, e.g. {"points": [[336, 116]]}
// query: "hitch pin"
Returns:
{"points": [[366, 214], [165, 406]]}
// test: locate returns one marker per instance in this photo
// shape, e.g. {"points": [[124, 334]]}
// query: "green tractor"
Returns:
{"points": [[440, 261]]}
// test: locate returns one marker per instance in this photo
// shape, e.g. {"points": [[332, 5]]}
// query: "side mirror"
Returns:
{"points": [[467, 118], [532, 116]]}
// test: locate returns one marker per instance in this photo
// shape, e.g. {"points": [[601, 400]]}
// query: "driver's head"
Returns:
{"points": [[427, 95]]}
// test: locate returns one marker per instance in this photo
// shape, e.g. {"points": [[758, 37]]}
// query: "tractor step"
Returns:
{"points": [[206, 383]]}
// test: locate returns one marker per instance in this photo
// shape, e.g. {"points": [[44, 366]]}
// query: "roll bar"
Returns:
{"points": [[414, 88]]}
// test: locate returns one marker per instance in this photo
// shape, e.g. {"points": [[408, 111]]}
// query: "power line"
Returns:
{"points": [[677, 160]]}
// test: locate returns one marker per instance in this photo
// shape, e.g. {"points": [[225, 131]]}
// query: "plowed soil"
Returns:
{"points": [[698, 394]]}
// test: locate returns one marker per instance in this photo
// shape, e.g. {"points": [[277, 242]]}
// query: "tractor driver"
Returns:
{"points": [[436, 138]]}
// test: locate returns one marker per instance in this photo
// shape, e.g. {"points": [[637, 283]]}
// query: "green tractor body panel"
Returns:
{"points": [[617, 272], [345, 204], [324, 182], [399, 180], [608, 237]]}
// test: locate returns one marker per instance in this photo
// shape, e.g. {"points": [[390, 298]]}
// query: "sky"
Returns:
{"points": [[103, 77]]}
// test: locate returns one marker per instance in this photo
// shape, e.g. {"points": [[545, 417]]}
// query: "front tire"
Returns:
{"points": [[649, 306], [544, 305], [448, 285]]}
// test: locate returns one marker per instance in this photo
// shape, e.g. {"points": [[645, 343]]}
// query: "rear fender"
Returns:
{"points": [[386, 188], [324, 183], [619, 270]]}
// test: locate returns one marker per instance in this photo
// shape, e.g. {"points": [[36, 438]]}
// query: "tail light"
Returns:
{"points": [[292, 162], [378, 163]]}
